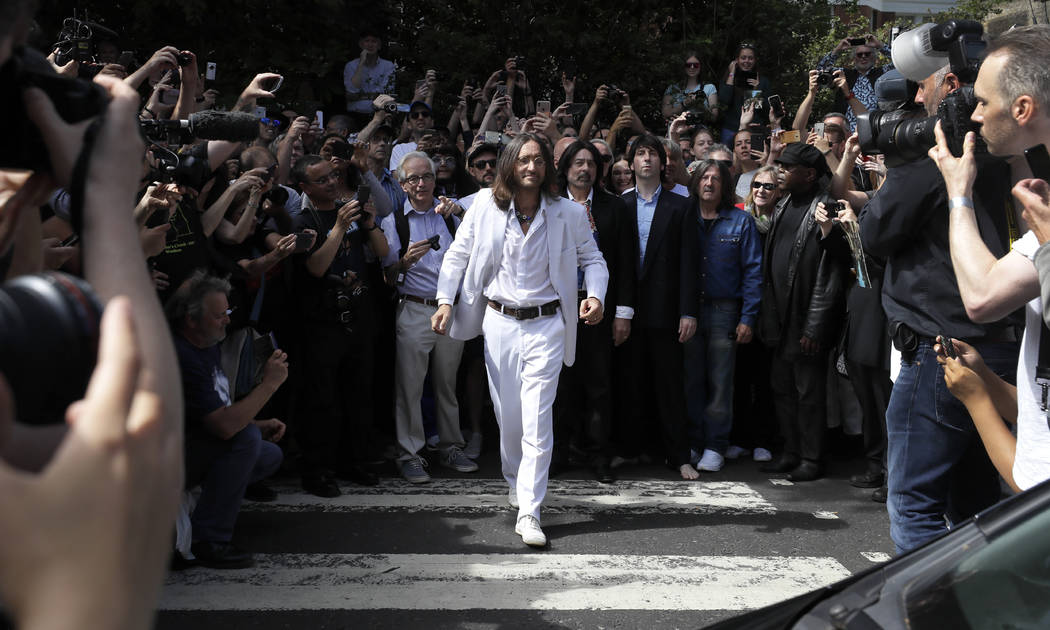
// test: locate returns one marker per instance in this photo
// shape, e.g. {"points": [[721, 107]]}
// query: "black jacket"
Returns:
{"points": [[815, 286], [619, 248], [668, 282]]}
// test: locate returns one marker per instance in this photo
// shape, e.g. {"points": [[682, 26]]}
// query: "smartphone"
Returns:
{"points": [[758, 141], [364, 191], [627, 108], [949, 346], [72, 240], [435, 242], [422, 83], [209, 72], [492, 137], [320, 118], [787, 137], [501, 89], [543, 107], [741, 78], [260, 111], [857, 41], [776, 105], [272, 84], [271, 172], [302, 241], [1038, 161], [818, 128]]}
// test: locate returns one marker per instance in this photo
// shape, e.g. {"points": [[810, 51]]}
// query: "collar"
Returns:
{"points": [[656, 195], [590, 195], [409, 208]]}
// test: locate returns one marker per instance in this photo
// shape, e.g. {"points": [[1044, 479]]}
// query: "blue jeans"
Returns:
{"points": [[230, 466], [709, 361], [937, 466]]}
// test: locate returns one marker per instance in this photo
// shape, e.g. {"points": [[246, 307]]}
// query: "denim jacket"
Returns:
{"points": [[731, 261]]}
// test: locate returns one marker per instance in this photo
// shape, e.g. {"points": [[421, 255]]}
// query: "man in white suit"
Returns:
{"points": [[517, 254]]}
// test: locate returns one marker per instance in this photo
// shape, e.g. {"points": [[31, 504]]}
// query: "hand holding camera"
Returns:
{"points": [[275, 371], [959, 172], [348, 213], [414, 252], [840, 82]]}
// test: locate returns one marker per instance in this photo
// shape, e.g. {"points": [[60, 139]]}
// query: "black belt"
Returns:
{"points": [[531, 312], [427, 301]]}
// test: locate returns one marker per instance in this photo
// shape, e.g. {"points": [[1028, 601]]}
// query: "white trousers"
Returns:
{"points": [[523, 361], [419, 350]]}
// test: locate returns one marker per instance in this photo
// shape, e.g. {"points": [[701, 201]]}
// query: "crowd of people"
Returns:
{"points": [[348, 290]]}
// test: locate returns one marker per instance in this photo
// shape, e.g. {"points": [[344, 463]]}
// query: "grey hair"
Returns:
{"points": [[1027, 52], [188, 299], [414, 155], [597, 141], [672, 148], [714, 148]]}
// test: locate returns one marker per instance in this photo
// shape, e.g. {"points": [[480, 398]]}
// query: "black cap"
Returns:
{"points": [[804, 154], [481, 147]]}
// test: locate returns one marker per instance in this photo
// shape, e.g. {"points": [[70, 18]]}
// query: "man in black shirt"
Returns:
{"points": [[336, 401], [802, 297]]}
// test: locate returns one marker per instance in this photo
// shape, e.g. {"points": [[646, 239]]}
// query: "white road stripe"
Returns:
{"points": [[500, 582], [489, 495]]}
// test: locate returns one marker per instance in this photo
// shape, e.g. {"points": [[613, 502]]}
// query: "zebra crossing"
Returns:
{"points": [[637, 546]]}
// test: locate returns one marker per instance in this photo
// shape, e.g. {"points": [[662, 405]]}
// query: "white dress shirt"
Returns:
{"points": [[524, 277]]}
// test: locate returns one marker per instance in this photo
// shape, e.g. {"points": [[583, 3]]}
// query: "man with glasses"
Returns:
{"points": [[803, 297], [338, 324], [481, 164], [412, 267], [420, 118], [860, 78], [516, 257]]}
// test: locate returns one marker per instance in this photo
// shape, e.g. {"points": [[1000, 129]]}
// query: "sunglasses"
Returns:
{"points": [[483, 164], [273, 122], [692, 65], [757, 185], [862, 54], [419, 114]]}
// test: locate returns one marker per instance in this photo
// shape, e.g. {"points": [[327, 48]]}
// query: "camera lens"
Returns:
{"points": [[42, 317]]}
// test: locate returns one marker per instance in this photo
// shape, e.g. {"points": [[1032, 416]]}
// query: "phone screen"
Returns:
{"points": [[543, 107]]}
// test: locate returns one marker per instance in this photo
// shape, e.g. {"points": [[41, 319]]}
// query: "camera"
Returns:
{"points": [[902, 134], [615, 94], [826, 79], [694, 118], [184, 59], [343, 301], [76, 43], [833, 208], [42, 317]]}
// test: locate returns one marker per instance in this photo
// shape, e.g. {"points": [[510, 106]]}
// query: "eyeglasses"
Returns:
{"points": [[445, 160], [757, 185], [692, 65], [414, 180], [483, 164], [421, 113], [862, 54], [538, 161], [273, 122], [331, 177]]}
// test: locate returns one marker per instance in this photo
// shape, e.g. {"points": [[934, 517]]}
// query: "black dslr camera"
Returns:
{"points": [[826, 79], [343, 301]]}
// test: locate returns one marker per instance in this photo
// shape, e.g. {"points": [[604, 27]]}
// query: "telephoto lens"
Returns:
{"points": [[49, 328]]}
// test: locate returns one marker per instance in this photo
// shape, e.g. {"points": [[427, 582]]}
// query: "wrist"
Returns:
{"points": [[960, 201]]}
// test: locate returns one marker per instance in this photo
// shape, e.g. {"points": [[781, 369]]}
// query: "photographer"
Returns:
{"points": [[367, 76], [860, 80], [336, 404], [935, 465], [1013, 97]]}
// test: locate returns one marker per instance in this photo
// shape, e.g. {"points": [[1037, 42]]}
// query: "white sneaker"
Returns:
{"points": [[762, 455], [710, 462], [512, 498], [473, 447], [529, 530], [735, 452]]}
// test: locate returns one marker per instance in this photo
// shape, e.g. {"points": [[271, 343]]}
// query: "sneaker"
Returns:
{"points": [[710, 462], [736, 452], [529, 530], [413, 470], [512, 499], [473, 448], [455, 459], [762, 455], [217, 555]]}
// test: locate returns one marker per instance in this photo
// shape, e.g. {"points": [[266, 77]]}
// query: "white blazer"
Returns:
{"points": [[477, 251]]}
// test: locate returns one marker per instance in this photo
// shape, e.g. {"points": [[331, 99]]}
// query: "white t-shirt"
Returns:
{"points": [[375, 80], [1032, 457]]}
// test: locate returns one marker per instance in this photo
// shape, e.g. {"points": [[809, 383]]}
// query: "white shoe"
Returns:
{"points": [[512, 498], [735, 452], [710, 462], [762, 455], [529, 530], [473, 447]]}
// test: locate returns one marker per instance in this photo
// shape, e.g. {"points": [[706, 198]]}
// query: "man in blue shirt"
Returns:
{"points": [[730, 268]]}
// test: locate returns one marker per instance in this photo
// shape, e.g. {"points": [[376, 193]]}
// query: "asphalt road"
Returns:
{"points": [[648, 552]]}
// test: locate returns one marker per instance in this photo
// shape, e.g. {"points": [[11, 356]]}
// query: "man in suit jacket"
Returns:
{"points": [[663, 232], [516, 254], [583, 409]]}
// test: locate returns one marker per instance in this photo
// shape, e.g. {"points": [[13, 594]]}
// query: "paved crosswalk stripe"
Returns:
{"points": [[490, 495], [539, 581]]}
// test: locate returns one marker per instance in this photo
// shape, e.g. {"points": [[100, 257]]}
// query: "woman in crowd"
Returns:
{"points": [[691, 95], [452, 179], [621, 177], [742, 82], [754, 420]]}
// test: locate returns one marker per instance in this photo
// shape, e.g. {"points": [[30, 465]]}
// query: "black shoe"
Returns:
{"points": [[221, 556], [260, 491], [879, 496], [321, 486], [870, 479], [806, 471], [179, 562], [357, 474], [784, 463], [603, 473]]}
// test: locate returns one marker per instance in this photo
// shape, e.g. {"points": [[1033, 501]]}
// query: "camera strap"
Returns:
{"points": [[1042, 368], [78, 178]]}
